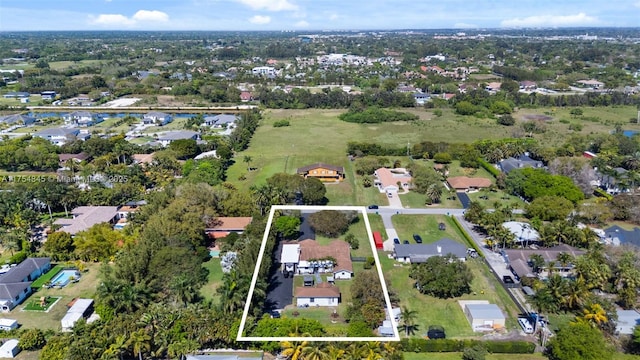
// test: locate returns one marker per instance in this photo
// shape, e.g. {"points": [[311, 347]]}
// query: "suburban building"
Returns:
{"points": [[483, 316], [594, 84], [323, 294], [264, 71], [392, 180], [322, 172], [8, 324], [77, 158], [48, 95], [528, 85], [82, 118], [84, 217], [309, 257], [523, 233], [59, 136], [143, 159], [419, 253], [171, 136], [17, 119], [520, 162], [156, 118], [80, 309], [15, 284], [615, 235], [518, 259], [246, 96], [463, 183], [221, 120], [9, 349], [16, 95], [223, 226]]}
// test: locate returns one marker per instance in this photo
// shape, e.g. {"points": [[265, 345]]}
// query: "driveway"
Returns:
{"points": [[280, 289], [394, 201], [306, 232], [464, 199]]}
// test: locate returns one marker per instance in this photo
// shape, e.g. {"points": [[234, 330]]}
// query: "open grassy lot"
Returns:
{"points": [[85, 288], [458, 356], [214, 279], [426, 226], [489, 198], [413, 200], [61, 65]]}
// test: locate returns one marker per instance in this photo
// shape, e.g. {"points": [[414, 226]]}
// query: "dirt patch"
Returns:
{"points": [[537, 117]]}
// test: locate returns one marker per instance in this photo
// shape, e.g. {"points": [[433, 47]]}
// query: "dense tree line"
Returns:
{"points": [[375, 115], [333, 99]]}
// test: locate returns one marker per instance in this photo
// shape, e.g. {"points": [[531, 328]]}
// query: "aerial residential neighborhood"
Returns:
{"points": [[466, 191]]}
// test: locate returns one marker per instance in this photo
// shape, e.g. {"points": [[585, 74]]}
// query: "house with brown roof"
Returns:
{"points": [[392, 180], [323, 294], [322, 172], [463, 183], [143, 159], [223, 226], [78, 158], [333, 258]]}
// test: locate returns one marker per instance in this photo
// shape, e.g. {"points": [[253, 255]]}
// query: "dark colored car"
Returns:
{"points": [[406, 242], [373, 206], [417, 238], [275, 314], [436, 332], [396, 241]]}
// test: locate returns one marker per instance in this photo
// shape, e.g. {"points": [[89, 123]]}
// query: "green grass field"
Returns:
{"points": [[214, 280], [458, 356], [426, 226], [46, 277], [34, 304]]}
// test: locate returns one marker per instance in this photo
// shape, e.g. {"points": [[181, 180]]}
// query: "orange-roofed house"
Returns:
{"points": [[463, 183], [322, 172], [223, 226], [387, 180], [323, 294]]}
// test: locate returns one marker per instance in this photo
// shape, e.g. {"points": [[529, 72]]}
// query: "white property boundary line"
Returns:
{"points": [[245, 313]]}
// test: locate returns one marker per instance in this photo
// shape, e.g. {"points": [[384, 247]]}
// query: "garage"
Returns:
{"points": [[484, 317]]}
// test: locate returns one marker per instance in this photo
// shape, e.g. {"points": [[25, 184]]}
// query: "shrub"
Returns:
{"points": [[18, 257], [437, 112], [490, 168], [442, 158], [506, 120], [32, 339], [451, 345], [575, 127], [281, 123], [374, 115]]}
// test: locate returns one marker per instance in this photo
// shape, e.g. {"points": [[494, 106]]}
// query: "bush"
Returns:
{"points": [[575, 127], [442, 158], [478, 352], [374, 115], [18, 257], [32, 339], [506, 120], [437, 112], [451, 345], [281, 123], [369, 263]]}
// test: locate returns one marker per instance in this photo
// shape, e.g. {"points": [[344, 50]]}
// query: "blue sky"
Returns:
{"points": [[312, 14]]}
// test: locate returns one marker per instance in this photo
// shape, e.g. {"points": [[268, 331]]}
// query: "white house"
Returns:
{"points": [[419, 253], [170, 136], [15, 284], [9, 349], [323, 294], [221, 120], [157, 118], [82, 118], [263, 70], [58, 136]]}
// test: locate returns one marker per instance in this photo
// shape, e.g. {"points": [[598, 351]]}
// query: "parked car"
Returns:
{"points": [[275, 314], [373, 206], [396, 241], [417, 238], [406, 242], [436, 332]]}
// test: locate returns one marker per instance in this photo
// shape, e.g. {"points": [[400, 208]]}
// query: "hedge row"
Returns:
{"points": [[450, 345], [602, 193], [467, 237], [490, 168]]}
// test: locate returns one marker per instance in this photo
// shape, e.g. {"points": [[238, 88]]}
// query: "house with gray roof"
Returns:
{"points": [[18, 119], [58, 136], [170, 136], [82, 118], [85, 217], [157, 118], [16, 95], [15, 284], [419, 253], [615, 235], [522, 161], [221, 120]]}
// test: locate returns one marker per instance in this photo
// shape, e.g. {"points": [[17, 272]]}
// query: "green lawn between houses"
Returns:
{"points": [[427, 227], [46, 277], [214, 280]]}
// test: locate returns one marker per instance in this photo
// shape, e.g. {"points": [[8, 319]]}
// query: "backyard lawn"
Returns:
{"points": [[214, 279], [85, 288], [427, 227]]}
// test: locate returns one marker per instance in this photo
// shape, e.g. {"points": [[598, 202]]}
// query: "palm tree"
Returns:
{"points": [[537, 262], [293, 349], [408, 317], [181, 348], [248, 160], [434, 192], [140, 342], [576, 293], [564, 259], [334, 352], [595, 315], [315, 352]]}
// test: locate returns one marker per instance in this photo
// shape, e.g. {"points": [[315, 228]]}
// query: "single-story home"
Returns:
{"points": [[58, 136], [143, 159], [592, 83], [323, 294], [314, 258], [221, 120], [223, 226], [522, 232], [15, 284], [17, 119], [518, 259], [78, 158], [419, 253], [170, 136], [483, 316], [520, 162], [16, 95], [157, 118], [463, 183], [48, 95], [85, 217], [9, 349], [392, 180], [322, 172]]}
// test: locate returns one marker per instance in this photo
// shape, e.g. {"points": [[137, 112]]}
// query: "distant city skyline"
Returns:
{"points": [[251, 15]]}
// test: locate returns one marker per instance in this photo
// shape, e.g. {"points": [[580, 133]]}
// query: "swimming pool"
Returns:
{"points": [[214, 253], [64, 277]]}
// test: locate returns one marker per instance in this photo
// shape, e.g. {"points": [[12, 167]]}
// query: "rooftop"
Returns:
{"points": [[549, 254], [421, 252], [338, 249], [87, 216], [307, 168], [178, 135], [485, 311], [321, 290], [21, 271], [230, 223], [390, 177]]}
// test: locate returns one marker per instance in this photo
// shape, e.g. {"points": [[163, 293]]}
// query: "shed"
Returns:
{"points": [[8, 324], [484, 317], [79, 309], [69, 321], [9, 349]]}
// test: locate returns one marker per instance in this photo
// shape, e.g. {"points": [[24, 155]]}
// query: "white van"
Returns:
{"points": [[526, 325]]}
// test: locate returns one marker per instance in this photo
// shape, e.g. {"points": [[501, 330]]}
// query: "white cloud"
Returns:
{"points": [[151, 15], [551, 20], [301, 24], [111, 19], [142, 16], [461, 25], [270, 5], [259, 19]]}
